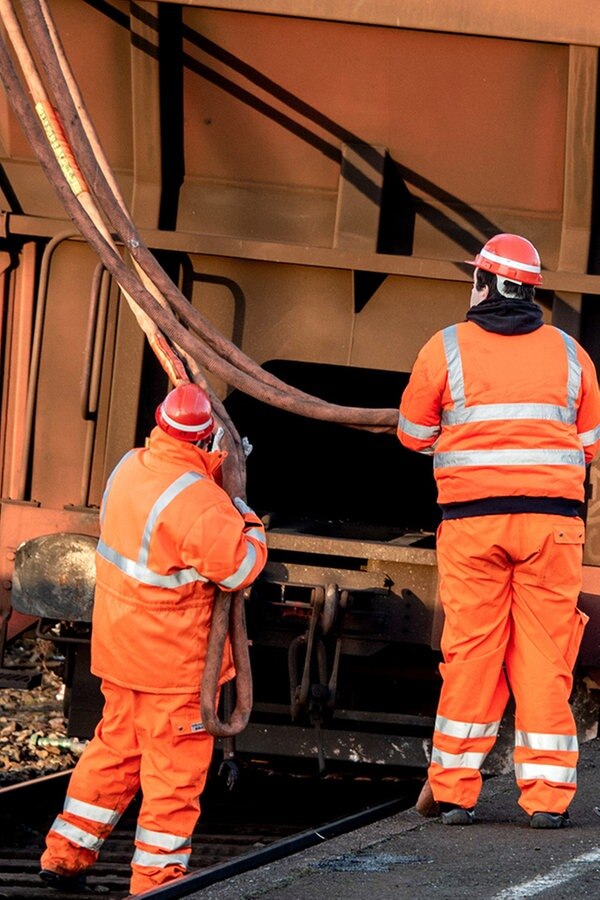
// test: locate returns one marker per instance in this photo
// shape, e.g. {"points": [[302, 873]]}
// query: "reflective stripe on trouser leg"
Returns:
{"points": [[76, 836], [474, 690], [540, 659], [477, 737], [159, 856], [176, 755], [104, 781]]}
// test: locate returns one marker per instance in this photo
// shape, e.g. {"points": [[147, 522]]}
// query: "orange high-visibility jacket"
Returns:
{"points": [[503, 415], [169, 536]]}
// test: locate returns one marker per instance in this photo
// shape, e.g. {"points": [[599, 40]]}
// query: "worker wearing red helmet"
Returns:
{"points": [[509, 408], [170, 535]]}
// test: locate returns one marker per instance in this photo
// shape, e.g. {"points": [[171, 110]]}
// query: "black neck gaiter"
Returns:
{"points": [[507, 316]]}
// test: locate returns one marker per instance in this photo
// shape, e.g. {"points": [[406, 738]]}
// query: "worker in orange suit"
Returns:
{"points": [[170, 536], [509, 407]]}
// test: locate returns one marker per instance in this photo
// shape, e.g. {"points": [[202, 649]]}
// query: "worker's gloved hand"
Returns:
{"points": [[242, 506], [253, 525], [218, 437]]}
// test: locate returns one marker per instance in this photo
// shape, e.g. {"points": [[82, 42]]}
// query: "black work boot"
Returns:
{"points": [[456, 815], [68, 884], [549, 820]]}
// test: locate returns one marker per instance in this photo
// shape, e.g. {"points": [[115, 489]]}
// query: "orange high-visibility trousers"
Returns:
{"points": [[509, 586], [152, 741]]}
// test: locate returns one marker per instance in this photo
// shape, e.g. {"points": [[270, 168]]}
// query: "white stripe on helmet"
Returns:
{"points": [[200, 427], [512, 263]]}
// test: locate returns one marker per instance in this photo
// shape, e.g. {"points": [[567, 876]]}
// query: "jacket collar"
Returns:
{"points": [[503, 316], [166, 449]]}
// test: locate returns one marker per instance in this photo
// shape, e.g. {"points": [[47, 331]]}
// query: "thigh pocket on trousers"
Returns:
{"points": [[561, 556], [183, 725], [569, 534]]}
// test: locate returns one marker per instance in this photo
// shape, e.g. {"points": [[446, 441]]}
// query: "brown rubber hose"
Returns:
{"points": [[228, 618]]}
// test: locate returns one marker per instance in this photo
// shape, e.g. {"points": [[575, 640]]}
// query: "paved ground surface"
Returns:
{"points": [[498, 858]]}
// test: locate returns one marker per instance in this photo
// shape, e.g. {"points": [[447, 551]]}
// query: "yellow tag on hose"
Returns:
{"points": [[58, 141]]}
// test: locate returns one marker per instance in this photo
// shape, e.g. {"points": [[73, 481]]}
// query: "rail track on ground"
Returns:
{"points": [[267, 816]]}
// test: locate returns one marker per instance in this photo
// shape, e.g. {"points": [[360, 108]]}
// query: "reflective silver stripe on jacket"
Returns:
{"points": [[509, 458], [247, 563], [160, 860], [537, 741], [420, 432], [246, 567], [77, 835], [162, 839], [574, 373], [588, 438], [138, 569], [145, 575], [491, 412], [258, 535], [454, 728], [167, 496], [456, 381], [110, 481], [457, 760], [91, 812], [494, 412], [555, 774]]}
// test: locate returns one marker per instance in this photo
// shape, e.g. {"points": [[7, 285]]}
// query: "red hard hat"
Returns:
{"points": [[186, 413], [511, 256]]}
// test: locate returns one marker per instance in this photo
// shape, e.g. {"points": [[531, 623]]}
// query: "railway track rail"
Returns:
{"points": [[267, 818]]}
